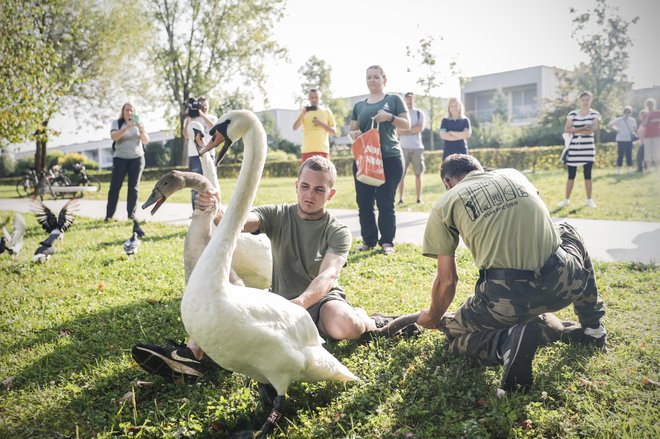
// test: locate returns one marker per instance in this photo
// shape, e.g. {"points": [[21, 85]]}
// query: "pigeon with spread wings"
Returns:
{"points": [[54, 225]]}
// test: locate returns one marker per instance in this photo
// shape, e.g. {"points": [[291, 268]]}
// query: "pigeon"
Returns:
{"points": [[13, 243], [54, 225], [132, 244], [137, 229]]}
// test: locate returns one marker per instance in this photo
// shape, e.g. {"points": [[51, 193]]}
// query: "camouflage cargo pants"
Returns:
{"points": [[475, 328]]}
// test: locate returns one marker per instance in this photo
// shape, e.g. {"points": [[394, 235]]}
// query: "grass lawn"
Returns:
{"points": [[632, 197], [67, 328]]}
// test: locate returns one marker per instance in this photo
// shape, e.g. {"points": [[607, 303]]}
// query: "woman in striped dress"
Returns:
{"points": [[582, 125]]}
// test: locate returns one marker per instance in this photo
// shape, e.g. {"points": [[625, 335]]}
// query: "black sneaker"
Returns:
{"points": [[381, 320], [518, 350], [588, 336], [169, 361]]}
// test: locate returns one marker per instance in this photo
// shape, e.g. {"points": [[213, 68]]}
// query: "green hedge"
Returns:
{"points": [[535, 158]]}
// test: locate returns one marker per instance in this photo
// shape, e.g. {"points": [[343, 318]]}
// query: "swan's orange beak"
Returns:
{"points": [[215, 141]]}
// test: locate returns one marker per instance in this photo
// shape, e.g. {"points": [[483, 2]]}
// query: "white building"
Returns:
{"points": [[526, 91]]}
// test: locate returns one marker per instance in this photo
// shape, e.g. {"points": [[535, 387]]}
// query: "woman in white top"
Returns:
{"points": [[582, 125], [625, 127]]}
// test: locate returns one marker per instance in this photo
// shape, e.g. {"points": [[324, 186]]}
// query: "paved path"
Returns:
{"points": [[606, 240]]}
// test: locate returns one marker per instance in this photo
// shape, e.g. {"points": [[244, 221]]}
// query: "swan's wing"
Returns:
{"points": [[278, 315]]}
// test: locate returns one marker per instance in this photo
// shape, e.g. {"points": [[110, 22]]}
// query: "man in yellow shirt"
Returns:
{"points": [[318, 124]]}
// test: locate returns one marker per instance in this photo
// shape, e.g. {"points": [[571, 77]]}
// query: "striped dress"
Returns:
{"points": [[582, 148]]}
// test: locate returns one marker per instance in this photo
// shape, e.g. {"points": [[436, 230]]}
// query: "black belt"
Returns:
{"points": [[510, 274]]}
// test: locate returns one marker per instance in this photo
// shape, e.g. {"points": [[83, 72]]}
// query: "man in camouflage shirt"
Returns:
{"points": [[527, 266]]}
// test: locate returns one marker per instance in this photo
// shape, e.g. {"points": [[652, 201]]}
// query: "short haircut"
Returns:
{"points": [[319, 163], [315, 90], [457, 166], [586, 93], [627, 108], [409, 94]]}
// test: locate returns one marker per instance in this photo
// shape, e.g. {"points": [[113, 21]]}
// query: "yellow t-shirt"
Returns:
{"points": [[501, 218], [315, 138]]}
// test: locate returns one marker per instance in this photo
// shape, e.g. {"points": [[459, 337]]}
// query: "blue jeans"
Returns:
{"points": [[121, 167], [383, 196]]}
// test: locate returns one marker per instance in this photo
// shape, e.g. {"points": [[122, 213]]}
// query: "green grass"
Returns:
{"points": [[66, 329], [632, 197]]}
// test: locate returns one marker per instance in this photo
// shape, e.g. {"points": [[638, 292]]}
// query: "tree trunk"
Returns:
{"points": [[40, 154], [183, 156]]}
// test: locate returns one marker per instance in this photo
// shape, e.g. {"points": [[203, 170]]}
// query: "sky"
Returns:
{"points": [[482, 36]]}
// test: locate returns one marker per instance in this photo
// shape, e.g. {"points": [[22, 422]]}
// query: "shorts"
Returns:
{"points": [[315, 310], [416, 157]]}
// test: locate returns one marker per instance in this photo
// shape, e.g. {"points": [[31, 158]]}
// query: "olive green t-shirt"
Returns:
{"points": [[501, 218], [299, 246], [363, 112]]}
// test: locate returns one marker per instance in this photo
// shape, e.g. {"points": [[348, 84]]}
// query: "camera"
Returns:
{"points": [[193, 107], [311, 108]]}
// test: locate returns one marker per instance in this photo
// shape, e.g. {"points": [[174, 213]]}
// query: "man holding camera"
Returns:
{"points": [[318, 123], [197, 111]]}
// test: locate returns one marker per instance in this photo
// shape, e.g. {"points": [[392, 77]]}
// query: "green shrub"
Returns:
{"points": [[157, 155], [69, 160]]}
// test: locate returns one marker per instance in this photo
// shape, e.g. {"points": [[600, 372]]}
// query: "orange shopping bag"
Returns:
{"points": [[369, 158]]}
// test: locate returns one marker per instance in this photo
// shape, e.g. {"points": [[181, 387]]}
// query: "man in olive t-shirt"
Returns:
{"points": [[310, 247], [527, 267]]}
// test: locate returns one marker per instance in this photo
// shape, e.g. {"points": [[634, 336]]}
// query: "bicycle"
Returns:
{"points": [[35, 183], [86, 180]]}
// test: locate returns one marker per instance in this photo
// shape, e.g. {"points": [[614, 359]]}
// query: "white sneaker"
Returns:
{"points": [[590, 203], [564, 203]]}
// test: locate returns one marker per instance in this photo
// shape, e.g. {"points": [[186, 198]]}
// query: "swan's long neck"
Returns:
{"points": [[198, 182], [209, 170], [217, 255]]}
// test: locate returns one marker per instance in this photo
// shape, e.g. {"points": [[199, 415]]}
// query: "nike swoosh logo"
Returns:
{"points": [[177, 357]]}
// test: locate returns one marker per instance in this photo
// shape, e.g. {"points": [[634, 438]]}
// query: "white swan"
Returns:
{"points": [[252, 261], [246, 330]]}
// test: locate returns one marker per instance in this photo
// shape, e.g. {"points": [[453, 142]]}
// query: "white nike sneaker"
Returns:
{"points": [[590, 203], [564, 203]]}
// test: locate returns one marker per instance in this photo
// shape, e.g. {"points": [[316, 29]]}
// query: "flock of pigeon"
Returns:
{"points": [[55, 226]]}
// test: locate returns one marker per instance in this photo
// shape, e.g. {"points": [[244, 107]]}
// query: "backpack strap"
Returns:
{"points": [[120, 122]]}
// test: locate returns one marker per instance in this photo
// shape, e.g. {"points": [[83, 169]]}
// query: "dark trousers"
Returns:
{"points": [[121, 167], [194, 165], [383, 196], [475, 329], [640, 158], [624, 149]]}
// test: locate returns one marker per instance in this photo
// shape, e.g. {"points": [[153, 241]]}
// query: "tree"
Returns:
{"points": [[21, 101], [602, 35], [430, 80], [64, 53], [500, 103], [207, 44], [316, 73]]}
